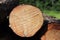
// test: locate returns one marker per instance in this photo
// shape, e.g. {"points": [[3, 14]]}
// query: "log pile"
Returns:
{"points": [[6, 7], [53, 27]]}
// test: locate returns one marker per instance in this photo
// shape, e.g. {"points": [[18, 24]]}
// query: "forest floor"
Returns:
{"points": [[52, 13]]}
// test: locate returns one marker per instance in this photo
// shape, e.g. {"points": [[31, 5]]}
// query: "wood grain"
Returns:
{"points": [[26, 20]]}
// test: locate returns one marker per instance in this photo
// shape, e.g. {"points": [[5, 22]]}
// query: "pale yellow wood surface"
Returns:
{"points": [[25, 20]]}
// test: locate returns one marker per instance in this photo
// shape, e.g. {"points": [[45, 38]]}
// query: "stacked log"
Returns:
{"points": [[25, 20], [53, 32]]}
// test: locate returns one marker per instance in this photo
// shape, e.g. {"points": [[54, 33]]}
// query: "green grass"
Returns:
{"points": [[52, 13]]}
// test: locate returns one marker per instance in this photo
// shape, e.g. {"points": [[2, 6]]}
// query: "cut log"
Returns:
{"points": [[53, 32], [53, 35], [25, 20]]}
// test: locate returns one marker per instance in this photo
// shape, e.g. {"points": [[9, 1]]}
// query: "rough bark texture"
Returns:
{"points": [[6, 8], [50, 19]]}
